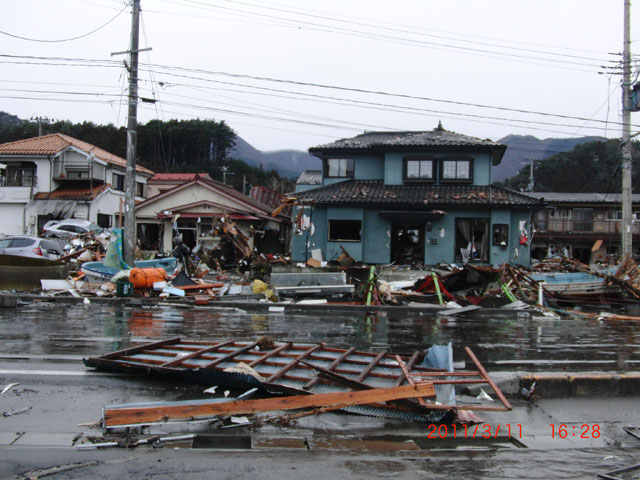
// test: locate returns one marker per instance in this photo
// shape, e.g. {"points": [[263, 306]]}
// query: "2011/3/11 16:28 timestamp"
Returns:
{"points": [[578, 431]]}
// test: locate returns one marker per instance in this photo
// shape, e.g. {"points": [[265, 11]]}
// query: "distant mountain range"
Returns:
{"points": [[521, 148], [288, 163], [291, 163]]}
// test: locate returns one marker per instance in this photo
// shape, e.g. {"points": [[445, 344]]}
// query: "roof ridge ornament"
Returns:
{"points": [[439, 128]]}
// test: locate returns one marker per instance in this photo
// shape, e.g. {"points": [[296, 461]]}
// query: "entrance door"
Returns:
{"points": [[407, 244]]}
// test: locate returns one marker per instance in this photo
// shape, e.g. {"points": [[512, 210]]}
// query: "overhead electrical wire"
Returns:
{"points": [[84, 35], [425, 29], [169, 70], [462, 49]]}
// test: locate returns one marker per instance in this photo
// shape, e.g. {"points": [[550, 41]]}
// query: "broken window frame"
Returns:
{"points": [[339, 167], [478, 231], [104, 220], [500, 234], [333, 235]]}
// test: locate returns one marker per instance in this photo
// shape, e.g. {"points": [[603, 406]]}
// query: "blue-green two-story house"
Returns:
{"points": [[417, 198]]}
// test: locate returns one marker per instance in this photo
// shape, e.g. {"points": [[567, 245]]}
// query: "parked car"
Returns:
{"points": [[69, 227], [30, 247]]}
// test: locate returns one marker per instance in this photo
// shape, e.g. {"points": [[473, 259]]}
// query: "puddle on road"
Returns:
{"points": [[501, 343]]}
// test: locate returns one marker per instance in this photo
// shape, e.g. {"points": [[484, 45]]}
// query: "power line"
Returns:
{"points": [[64, 39]]}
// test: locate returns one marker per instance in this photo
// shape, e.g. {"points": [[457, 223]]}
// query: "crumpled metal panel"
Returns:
{"points": [[441, 356]]}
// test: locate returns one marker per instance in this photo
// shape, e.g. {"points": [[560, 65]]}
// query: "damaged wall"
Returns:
{"points": [[439, 236]]}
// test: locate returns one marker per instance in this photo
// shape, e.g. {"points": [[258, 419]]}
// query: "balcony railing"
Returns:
{"points": [[568, 225], [18, 182]]}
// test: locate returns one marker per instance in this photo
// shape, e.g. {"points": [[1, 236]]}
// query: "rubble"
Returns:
{"points": [[310, 376]]}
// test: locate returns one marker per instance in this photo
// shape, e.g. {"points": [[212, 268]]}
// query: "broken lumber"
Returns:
{"points": [[184, 411]]}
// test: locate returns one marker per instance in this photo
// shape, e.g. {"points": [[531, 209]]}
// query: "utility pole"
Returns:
{"points": [[132, 139], [530, 186], [626, 133]]}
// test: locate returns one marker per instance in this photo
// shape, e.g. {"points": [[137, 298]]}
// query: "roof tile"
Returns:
{"points": [[375, 192], [56, 142]]}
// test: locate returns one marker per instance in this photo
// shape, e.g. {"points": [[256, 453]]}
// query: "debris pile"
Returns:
{"points": [[306, 377]]}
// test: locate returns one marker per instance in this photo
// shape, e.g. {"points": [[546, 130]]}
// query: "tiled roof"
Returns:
{"points": [[57, 142], [581, 197], [438, 137], [178, 177], [73, 193], [310, 177], [374, 192]]}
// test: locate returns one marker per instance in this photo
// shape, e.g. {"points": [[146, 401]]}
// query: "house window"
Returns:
{"points": [[104, 220], [560, 213], [139, 189], [614, 215], [345, 230], [118, 182], [78, 174], [20, 176], [501, 234], [418, 169], [340, 167], [583, 219], [456, 170]]}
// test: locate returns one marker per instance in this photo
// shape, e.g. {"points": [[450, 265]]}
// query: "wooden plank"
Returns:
{"points": [[273, 352], [201, 286], [229, 356], [292, 364], [409, 365], [486, 376], [405, 374], [333, 365], [114, 417], [371, 365], [180, 359], [455, 311], [148, 346]]}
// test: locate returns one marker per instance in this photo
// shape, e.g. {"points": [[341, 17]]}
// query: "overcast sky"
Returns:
{"points": [[287, 74]]}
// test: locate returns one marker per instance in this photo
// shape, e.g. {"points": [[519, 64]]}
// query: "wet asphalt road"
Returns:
{"points": [[42, 347]]}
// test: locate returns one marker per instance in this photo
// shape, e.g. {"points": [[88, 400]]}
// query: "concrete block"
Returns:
{"points": [[594, 385], [629, 385], [549, 386]]}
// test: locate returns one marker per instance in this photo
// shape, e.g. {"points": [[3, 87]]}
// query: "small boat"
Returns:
{"points": [[25, 273], [575, 284], [98, 272]]}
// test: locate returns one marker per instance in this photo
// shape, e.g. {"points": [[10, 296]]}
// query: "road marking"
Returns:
{"points": [[54, 373]]}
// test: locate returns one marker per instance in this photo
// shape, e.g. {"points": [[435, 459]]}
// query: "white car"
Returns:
{"points": [[69, 228], [30, 247]]}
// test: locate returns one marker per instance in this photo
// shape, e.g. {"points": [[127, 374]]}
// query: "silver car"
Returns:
{"points": [[30, 247], [69, 228]]}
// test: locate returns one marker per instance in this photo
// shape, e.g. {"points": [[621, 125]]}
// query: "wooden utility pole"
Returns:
{"points": [[132, 139], [627, 235]]}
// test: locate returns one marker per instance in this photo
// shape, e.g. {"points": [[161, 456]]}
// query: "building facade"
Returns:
{"points": [[584, 226], [192, 204], [57, 177], [417, 198]]}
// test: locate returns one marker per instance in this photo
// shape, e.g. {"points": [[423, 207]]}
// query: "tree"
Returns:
{"points": [[590, 167]]}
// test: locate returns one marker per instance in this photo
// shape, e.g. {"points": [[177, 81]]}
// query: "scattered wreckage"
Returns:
{"points": [[310, 378], [96, 269]]}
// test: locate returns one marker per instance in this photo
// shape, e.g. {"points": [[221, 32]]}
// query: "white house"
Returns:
{"points": [[57, 176]]}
